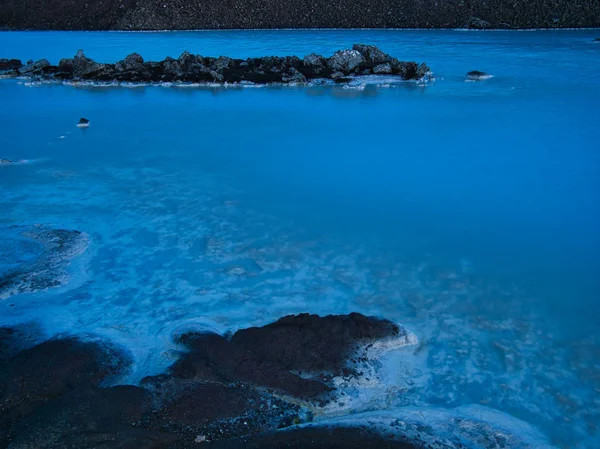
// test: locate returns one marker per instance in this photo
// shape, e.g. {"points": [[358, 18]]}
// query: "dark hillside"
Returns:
{"points": [[223, 14]]}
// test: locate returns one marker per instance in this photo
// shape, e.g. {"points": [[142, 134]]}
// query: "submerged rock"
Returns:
{"points": [[360, 60], [476, 75], [597, 40], [47, 254]]}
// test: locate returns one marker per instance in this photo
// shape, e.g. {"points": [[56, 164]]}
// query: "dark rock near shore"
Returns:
{"points": [[48, 371], [13, 341], [297, 355], [361, 60], [52, 394], [316, 437], [91, 418], [187, 14]]}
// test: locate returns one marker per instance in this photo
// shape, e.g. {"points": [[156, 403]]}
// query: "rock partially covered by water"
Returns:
{"points": [[53, 394], [476, 75], [360, 60], [45, 255], [83, 123], [298, 355]]}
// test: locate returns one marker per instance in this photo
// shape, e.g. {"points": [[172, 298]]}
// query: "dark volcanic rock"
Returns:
{"points": [[7, 65], [15, 340], [214, 358], [215, 410], [315, 437], [91, 418], [314, 66], [476, 75], [313, 343], [372, 55], [131, 69], [87, 69], [346, 61], [50, 370], [188, 14], [297, 355], [361, 60], [51, 394], [34, 68]]}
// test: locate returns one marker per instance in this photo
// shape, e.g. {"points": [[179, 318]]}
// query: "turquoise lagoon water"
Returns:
{"points": [[467, 211]]}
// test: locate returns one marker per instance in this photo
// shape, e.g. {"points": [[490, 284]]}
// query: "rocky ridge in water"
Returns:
{"points": [[245, 387], [360, 60]]}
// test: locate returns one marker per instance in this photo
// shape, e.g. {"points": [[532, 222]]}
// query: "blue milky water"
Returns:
{"points": [[468, 211]]}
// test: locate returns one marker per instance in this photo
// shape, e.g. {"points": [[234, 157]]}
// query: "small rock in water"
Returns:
{"points": [[476, 75], [597, 40], [83, 123], [5, 161]]}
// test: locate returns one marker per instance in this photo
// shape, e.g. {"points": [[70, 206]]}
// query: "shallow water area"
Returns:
{"points": [[467, 211]]}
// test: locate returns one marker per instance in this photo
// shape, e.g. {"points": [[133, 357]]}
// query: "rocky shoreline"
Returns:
{"points": [[340, 67], [228, 391]]}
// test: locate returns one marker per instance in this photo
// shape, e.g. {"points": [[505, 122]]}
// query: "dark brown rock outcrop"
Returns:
{"points": [[55, 394]]}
